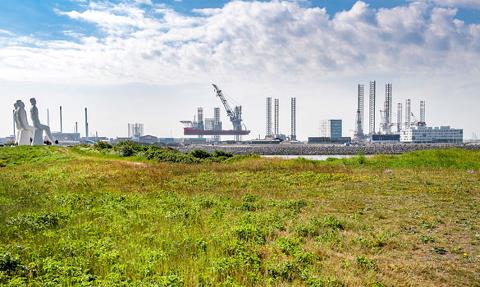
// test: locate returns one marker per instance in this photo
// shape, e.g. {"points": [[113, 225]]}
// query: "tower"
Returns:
{"points": [[408, 113], [293, 119], [61, 120], [217, 124], [371, 115], [200, 125], [422, 114], [238, 127], [387, 110], [86, 124], [276, 117], [269, 118], [360, 112], [399, 117]]}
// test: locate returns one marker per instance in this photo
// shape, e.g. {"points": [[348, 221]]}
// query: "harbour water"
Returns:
{"points": [[310, 157]]}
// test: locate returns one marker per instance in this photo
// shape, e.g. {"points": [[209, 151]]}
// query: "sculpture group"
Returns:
{"points": [[27, 134]]}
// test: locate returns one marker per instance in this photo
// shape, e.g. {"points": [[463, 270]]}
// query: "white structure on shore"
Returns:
{"points": [[423, 134]]}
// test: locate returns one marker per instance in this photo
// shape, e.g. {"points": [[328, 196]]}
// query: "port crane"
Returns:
{"points": [[234, 115]]}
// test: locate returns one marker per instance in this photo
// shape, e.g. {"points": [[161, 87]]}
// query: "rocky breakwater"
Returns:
{"points": [[316, 149]]}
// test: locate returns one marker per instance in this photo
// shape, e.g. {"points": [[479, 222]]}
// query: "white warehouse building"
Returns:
{"points": [[423, 134]]}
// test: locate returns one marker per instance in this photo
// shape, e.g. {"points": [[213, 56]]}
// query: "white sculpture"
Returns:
{"points": [[38, 128], [24, 130], [15, 118]]}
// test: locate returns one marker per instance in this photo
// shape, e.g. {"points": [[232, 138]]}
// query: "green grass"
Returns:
{"points": [[95, 216]]}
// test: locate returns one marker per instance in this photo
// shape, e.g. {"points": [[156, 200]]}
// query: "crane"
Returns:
{"points": [[234, 115]]}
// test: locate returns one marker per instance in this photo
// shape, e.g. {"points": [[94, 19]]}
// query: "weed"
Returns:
{"points": [[439, 250], [428, 239], [366, 263]]}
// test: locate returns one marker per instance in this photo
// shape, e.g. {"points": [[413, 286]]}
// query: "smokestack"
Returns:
{"points": [[371, 122], [276, 117], [48, 117], [61, 120], [293, 119], [269, 117], [76, 127], [86, 124]]}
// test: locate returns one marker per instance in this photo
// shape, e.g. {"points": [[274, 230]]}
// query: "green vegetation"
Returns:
{"points": [[132, 215]]}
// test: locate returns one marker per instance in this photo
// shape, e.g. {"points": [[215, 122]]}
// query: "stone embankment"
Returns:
{"points": [[312, 149]]}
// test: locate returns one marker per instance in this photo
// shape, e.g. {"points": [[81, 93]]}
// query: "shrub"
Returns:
{"points": [[8, 262], [288, 245], [126, 151], [333, 223], [201, 154], [250, 203], [101, 145], [35, 222], [361, 159], [283, 270], [220, 153], [249, 232]]}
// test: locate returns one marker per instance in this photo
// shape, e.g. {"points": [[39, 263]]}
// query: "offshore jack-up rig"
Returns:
{"points": [[213, 127]]}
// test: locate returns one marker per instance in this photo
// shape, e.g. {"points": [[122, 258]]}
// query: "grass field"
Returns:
{"points": [[92, 217]]}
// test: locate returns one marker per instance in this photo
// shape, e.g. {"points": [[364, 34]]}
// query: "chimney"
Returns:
{"points": [[86, 124], [61, 120]]}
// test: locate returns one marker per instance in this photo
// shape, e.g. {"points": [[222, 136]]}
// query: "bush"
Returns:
{"points": [[35, 222], [101, 145], [221, 153], [201, 154], [9, 263], [361, 158]]}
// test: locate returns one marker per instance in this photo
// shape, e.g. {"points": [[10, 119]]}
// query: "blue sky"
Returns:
{"points": [[136, 61], [38, 18]]}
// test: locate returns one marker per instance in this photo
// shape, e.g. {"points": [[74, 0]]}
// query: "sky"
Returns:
{"points": [[153, 62]]}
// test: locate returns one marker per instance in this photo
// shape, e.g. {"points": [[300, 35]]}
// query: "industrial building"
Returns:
{"points": [[272, 129], [424, 134], [198, 126], [390, 138], [330, 133], [135, 130], [409, 128], [331, 129]]}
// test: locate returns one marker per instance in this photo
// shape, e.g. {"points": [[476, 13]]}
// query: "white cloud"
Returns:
{"points": [[459, 3], [246, 40]]}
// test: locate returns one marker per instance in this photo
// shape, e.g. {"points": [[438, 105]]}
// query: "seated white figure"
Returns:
{"points": [[38, 128], [24, 130]]}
